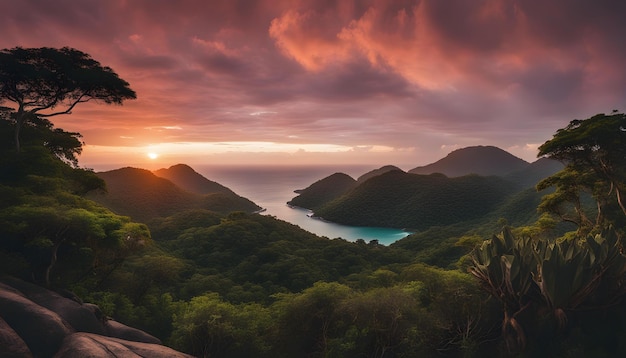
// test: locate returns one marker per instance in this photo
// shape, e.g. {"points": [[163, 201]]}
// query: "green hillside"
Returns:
{"points": [[402, 200], [323, 191], [188, 179], [422, 201], [529, 176], [143, 196]]}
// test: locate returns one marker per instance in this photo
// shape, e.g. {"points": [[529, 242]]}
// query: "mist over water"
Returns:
{"points": [[271, 187]]}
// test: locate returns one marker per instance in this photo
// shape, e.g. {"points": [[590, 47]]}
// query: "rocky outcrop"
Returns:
{"points": [[79, 316], [36, 322], [11, 344], [42, 330], [119, 330], [93, 345]]}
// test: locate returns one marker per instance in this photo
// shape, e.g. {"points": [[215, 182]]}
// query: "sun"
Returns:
{"points": [[153, 155]]}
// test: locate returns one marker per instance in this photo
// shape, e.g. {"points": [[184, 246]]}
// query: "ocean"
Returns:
{"points": [[271, 187]]}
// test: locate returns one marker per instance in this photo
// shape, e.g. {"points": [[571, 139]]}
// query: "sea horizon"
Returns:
{"points": [[272, 186]]}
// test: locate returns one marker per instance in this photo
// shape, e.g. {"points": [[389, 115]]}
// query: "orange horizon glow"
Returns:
{"points": [[161, 155]]}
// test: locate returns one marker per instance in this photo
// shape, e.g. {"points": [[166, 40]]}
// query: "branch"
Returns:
{"points": [[68, 109], [619, 199]]}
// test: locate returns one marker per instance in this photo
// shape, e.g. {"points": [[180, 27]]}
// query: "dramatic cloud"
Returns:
{"points": [[376, 81]]}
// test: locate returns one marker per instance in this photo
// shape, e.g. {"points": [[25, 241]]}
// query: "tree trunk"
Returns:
{"points": [[18, 127], [20, 118], [53, 261]]}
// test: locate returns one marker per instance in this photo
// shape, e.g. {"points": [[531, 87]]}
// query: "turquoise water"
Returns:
{"points": [[272, 187]]}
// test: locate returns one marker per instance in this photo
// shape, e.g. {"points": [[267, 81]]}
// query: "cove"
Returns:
{"points": [[272, 187], [300, 217]]}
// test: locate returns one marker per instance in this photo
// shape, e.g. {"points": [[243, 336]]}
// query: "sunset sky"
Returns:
{"points": [[331, 82]]}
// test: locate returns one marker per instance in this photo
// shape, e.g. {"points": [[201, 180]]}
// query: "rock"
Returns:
{"points": [[96, 312], [41, 329], [36, 322], [92, 345], [79, 316], [122, 331], [11, 344]]}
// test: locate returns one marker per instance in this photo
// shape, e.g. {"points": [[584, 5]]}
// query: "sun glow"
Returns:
{"points": [[235, 153]]}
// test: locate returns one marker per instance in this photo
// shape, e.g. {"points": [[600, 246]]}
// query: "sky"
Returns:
{"points": [[378, 82]]}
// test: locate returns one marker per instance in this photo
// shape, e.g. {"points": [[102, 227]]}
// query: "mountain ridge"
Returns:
{"points": [[142, 195], [323, 191], [385, 197], [404, 200], [187, 178], [481, 160]]}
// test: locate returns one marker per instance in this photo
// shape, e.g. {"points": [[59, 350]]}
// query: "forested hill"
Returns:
{"points": [[403, 200], [481, 160], [323, 191], [188, 179], [143, 196], [448, 194], [377, 172], [540, 169]]}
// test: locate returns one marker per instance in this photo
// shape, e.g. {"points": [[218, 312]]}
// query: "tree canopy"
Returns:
{"points": [[45, 82], [594, 151]]}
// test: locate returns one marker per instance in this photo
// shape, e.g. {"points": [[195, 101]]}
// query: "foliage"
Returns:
{"points": [[558, 277], [595, 156], [398, 199], [49, 228], [266, 255], [210, 327], [59, 234], [426, 313], [40, 80], [323, 191], [40, 132], [144, 196], [169, 227]]}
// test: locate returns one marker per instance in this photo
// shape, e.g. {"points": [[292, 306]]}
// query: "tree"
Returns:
{"points": [[45, 225], [46, 82], [210, 327], [594, 152]]}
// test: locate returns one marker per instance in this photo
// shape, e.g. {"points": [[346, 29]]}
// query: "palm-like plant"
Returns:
{"points": [[557, 277]]}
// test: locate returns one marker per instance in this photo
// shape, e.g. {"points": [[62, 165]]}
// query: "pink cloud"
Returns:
{"points": [[398, 74]]}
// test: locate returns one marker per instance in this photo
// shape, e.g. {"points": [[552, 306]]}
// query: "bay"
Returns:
{"points": [[271, 187]]}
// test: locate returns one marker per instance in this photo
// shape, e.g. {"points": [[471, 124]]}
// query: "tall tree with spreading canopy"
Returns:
{"points": [[594, 152], [46, 82]]}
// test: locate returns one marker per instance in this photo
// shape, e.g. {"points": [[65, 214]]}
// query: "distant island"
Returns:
{"points": [[469, 183]]}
